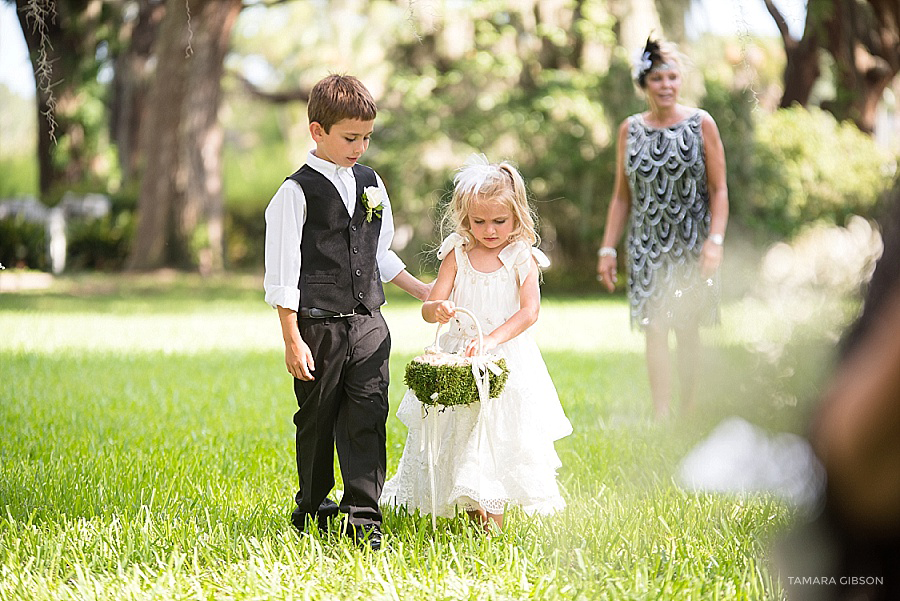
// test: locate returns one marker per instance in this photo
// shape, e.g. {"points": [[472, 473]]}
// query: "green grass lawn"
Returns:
{"points": [[147, 453]]}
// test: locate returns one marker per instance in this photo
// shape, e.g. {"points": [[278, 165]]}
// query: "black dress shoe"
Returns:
{"points": [[366, 534], [327, 510]]}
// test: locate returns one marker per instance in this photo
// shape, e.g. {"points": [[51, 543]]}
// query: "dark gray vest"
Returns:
{"points": [[338, 270]]}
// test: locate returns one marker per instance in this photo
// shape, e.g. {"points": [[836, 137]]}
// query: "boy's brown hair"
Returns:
{"points": [[339, 97]]}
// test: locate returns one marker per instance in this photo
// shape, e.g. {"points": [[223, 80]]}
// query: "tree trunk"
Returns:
{"points": [[802, 68], [203, 133], [131, 85], [61, 39], [162, 185], [181, 188], [864, 39], [801, 71]]}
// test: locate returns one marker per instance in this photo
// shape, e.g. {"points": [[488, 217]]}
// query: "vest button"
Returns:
{"points": [[360, 295], [358, 272], [353, 228], [355, 250]]}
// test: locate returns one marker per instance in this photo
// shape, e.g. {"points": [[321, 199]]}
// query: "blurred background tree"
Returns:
{"points": [[181, 195], [190, 114], [862, 38], [69, 46]]}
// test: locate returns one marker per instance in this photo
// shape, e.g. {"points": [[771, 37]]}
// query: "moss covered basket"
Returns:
{"points": [[445, 379]]}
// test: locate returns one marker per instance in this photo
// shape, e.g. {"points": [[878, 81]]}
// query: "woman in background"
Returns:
{"points": [[670, 190]]}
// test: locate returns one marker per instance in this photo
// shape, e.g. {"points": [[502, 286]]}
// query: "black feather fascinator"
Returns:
{"points": [[649, 56]]}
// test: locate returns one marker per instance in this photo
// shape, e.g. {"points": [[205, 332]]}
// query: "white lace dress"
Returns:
{"points": [[494, 454]]}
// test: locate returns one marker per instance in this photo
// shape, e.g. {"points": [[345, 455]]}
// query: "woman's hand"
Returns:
{"points": [[606, 272], [710, 258]]}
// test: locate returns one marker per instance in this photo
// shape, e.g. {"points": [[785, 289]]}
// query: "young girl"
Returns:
{"points": [[498, 453]]}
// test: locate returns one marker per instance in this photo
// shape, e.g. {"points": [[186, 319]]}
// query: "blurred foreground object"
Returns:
{"points": [[852, 549], [740, 458]]}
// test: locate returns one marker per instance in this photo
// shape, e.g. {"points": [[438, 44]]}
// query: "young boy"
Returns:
{"points": [[328, 232]]}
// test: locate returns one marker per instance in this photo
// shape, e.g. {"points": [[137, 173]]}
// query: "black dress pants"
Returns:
{"points": [[345, 407]]}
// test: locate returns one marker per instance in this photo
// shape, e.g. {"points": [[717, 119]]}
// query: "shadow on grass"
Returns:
{"points": [[160, 291], [170, 290]]}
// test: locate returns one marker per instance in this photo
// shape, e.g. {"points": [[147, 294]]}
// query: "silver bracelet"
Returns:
{"points": [[717, 239], [607, 251]]}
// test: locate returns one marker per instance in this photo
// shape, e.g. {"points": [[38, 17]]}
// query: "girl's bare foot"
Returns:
{"points": [[494, 523], [490, 523], [479, 516]]}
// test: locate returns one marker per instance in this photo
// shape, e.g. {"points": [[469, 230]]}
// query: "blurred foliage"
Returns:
{"points": [[101, 244], [754, 66], [245, 232], [809, 167], [18, 144], [733, 110], [543, 87], [18, 176], [91, 243], [17, 125], [23, 243], [253, 171], [518, 90]]}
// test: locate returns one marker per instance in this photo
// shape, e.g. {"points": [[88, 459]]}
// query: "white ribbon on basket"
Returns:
{"points": [[482, 367]]}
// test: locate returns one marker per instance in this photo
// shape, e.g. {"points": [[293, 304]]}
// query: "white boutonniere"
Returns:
{"points": [[373, 201]]}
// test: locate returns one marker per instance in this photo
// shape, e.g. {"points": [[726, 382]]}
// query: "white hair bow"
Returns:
{"points": [[474, 173]]}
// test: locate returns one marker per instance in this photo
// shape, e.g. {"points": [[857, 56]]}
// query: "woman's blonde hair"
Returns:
{"points": [[481, 181]]}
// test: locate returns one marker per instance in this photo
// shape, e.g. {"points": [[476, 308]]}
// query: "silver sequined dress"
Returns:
{"points": [[669, 222]]}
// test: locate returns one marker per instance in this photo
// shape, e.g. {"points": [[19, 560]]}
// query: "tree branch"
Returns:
{"points": [[781, 23], [281, 97], [265, 3]]}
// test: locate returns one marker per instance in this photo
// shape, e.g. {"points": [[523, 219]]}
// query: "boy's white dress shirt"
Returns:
{"points": [[285, 217]]}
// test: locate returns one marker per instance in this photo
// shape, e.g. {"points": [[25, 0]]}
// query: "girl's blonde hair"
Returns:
{"points": [[481, 181]]}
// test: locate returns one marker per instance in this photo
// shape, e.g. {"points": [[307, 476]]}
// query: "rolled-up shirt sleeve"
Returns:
{"points": [[285, 217], [389, 264]]}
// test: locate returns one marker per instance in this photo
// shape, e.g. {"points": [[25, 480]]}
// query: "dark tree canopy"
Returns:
{"points": [[863, 38]]}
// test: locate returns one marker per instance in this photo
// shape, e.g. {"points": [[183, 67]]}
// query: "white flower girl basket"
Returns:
{"points": [[446, 379]]}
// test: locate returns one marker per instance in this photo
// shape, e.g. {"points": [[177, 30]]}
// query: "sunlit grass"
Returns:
{"points": [[147, 454]]}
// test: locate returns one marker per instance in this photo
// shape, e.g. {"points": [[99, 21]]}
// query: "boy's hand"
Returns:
{"points": [[413, 285], [299, 360]]}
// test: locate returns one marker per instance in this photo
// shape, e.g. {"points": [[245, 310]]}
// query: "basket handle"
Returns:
{"points": [[477, 326]]}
